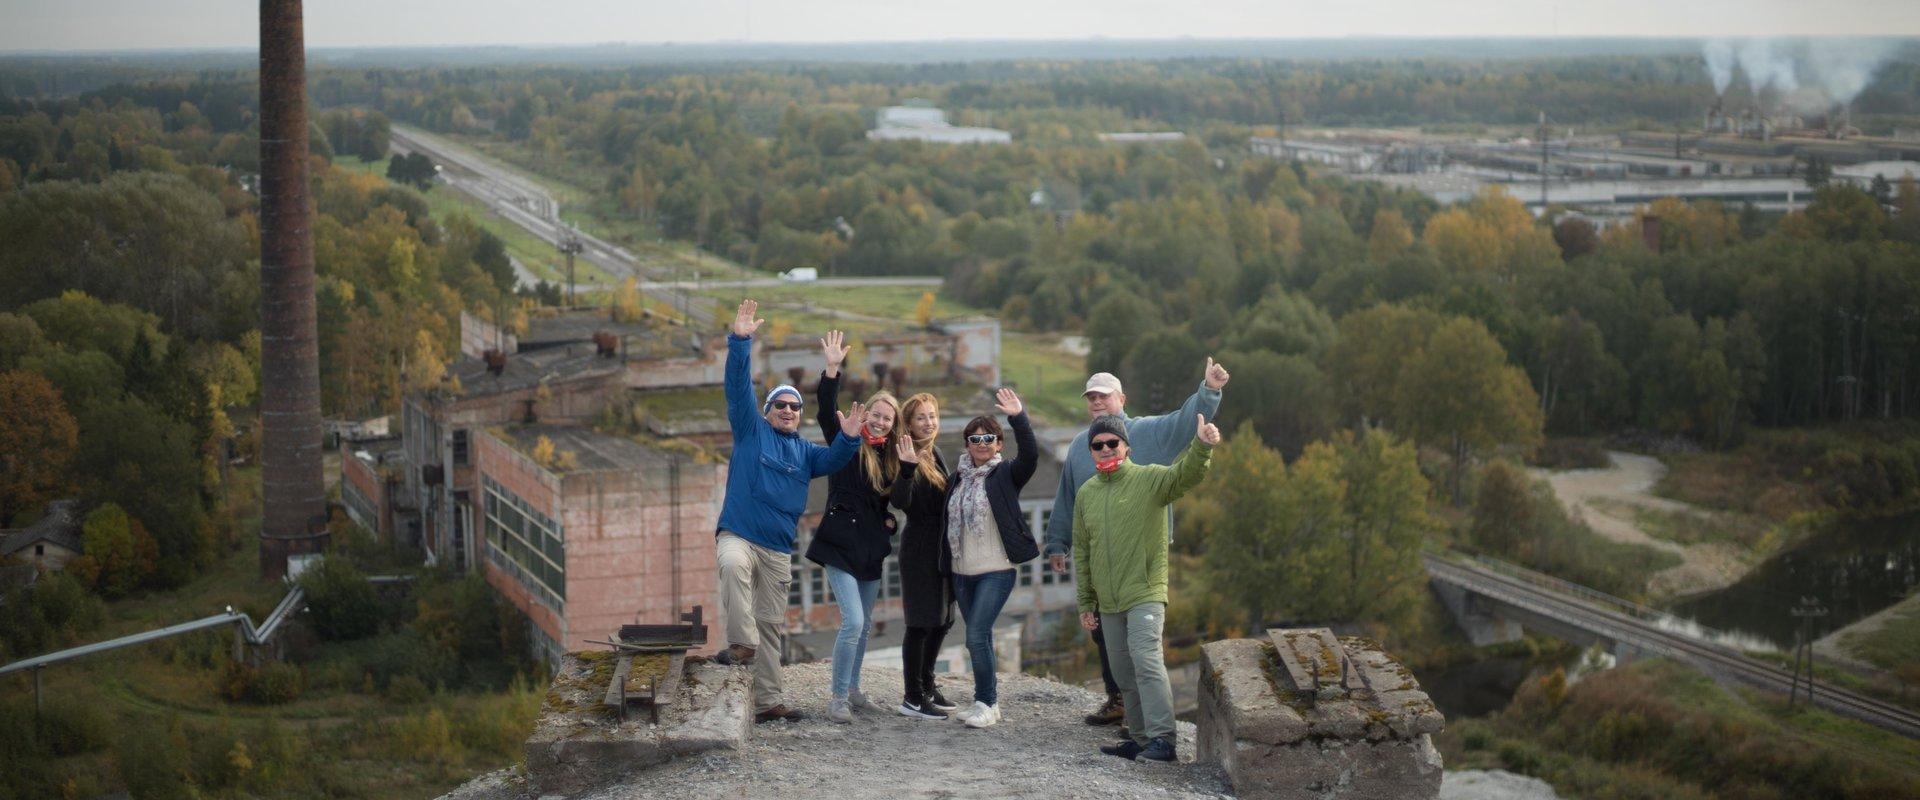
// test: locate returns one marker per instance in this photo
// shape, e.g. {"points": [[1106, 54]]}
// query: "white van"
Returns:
{"points": [[801, 274]]}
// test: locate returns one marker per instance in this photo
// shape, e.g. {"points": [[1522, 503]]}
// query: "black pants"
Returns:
{"points": [[1106, 668], [917, 655]]}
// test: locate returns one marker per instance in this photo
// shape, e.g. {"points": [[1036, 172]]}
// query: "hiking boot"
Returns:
{"points": [[837, 711], [1161, 751], [941, 703], [1128, 749], [915, 710], [1110, 714], [734, 655], [779, 712], [1126, 734], [983, 716]]}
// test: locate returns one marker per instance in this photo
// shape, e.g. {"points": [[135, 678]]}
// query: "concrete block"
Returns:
{"points": [[580, 744]]}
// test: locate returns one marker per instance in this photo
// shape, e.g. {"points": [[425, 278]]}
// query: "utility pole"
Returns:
{"points": [[571, 246], [1808, 610], [1543, 163]]}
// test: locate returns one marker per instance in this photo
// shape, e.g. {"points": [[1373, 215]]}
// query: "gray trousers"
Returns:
{"points": [[1140, 667], [753, 599]]}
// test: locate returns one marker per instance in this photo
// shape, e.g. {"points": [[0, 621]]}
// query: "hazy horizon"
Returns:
{"points": [[51, 27]]}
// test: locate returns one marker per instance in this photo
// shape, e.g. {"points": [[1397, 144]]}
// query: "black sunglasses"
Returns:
{"points": [[787, 405], [982, 438], [1104, 444]]}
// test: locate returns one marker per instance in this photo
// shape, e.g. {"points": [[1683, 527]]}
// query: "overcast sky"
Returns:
{"points": [[142, 24]]}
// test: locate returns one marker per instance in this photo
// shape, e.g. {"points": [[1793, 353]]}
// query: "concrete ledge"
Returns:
{"points": [[579, 744]]}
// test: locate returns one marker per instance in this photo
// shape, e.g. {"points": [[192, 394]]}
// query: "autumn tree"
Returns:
{"points": [[38, 438], [120, 554]]}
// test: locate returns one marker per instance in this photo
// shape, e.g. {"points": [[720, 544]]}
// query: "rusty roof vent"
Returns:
{"points": [[606, 344], [496, 361]]}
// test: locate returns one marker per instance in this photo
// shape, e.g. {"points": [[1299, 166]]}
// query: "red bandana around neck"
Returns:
{"points": [[1107, 465]]}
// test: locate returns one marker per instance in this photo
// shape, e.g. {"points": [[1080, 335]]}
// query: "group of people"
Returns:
{"points": [[964, 535]]}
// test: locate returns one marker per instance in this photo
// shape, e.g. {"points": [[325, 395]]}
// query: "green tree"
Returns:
{"points": [[341, 604], [1459, 393], [120, 552]]}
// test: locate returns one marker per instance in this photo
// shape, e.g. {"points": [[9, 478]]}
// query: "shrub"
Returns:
{"points": [[407, 689], [341, 604], [274, 683]]}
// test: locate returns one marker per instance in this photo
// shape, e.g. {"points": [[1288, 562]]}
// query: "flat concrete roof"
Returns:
{"points": [[594, 451]]}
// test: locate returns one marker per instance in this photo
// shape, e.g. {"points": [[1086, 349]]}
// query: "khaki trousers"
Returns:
{"points": [[753, 598]]}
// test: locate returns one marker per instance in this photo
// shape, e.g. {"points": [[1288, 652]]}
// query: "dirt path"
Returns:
{"points": [[1605, 500]]}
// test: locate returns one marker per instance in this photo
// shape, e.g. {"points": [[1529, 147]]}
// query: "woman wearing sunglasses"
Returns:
{"points": [[926, 594], [987, 535], [855, 535]]}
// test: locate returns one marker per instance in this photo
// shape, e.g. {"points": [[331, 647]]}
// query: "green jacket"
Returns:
{"points": [[1120, 530]]}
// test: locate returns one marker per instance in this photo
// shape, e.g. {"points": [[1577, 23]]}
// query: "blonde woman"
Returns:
{"points": [[927, 594], [855, 535]]}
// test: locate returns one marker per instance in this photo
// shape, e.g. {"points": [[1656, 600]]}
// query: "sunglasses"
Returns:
{"points": [[1104, 444], [982, 438], [787, 405]]}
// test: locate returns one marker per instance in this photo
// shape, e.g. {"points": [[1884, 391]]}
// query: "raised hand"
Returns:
{"points": [[904, 448], [1008, 402], [1216, 375], [832, 347], [854, 422], [744, 323], [1206, 432]]}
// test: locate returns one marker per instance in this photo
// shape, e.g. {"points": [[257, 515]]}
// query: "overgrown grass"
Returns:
{"points": [[1746, 532], [1660, 729], [1894, 646], [1864, 468]]}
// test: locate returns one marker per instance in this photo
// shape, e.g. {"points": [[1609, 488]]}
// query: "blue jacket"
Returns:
{"points": [[767, 478], [1153, 440]]}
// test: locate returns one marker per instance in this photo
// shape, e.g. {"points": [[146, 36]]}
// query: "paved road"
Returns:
{"points": [[524, 203]]}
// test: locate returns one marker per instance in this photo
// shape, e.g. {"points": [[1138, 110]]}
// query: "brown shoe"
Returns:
{"points": [[779, 712], [734, 655], [1110, 714]]}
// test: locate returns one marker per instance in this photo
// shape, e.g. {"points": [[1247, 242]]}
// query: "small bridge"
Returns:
{"points": [[1493, 601]]}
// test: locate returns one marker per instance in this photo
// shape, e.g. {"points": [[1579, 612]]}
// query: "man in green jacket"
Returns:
{"points": [[1120, 555]]}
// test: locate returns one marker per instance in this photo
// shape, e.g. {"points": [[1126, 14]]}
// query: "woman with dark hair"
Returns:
{"points": [[987, 535], [856, 534], [925, 593]]}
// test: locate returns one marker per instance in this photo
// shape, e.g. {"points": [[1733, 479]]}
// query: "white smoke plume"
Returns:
{"points": [[1765, 67], [1844, 68], [1720, 61]]}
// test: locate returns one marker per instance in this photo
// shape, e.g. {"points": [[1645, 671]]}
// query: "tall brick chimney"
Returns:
{"points": [[293, 489]]}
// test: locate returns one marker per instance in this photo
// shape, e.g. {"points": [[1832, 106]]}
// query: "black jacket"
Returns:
{"points": [[856, 533], [1003, 494], [925, 594]]}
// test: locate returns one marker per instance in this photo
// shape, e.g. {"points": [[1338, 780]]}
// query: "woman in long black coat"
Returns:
{"points": [[927, 593], [856, 533]]}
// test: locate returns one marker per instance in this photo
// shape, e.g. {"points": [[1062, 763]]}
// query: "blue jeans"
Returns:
{"points": [[855, 598], [981, 598]]}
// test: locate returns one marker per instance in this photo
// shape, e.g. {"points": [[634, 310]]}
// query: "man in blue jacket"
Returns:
{"points": [[1155, 440], [766, 491]]}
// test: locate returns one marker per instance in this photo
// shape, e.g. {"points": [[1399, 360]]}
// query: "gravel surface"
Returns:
{"points": [[1476, 784], [1039, 749], [1629, 483]]}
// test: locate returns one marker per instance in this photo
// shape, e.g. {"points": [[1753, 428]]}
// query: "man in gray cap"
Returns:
{"points": [[1154, 440]]}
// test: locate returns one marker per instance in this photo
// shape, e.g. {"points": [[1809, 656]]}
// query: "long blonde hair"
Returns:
{"points": [[929, 471], [884, 466]]}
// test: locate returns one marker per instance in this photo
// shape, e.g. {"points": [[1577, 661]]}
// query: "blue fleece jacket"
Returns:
{"points": [[1153, 440], [767, 478]]}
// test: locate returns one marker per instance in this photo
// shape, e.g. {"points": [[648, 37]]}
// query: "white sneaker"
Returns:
{"points": [[859, 701], [838, 711], [983, 716], [967, 713]]}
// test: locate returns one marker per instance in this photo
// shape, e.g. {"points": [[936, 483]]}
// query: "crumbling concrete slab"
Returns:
{"points": [[580, 743], [1279, 733]]}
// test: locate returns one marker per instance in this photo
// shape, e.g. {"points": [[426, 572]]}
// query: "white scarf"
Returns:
{"points": [[969, 515]]}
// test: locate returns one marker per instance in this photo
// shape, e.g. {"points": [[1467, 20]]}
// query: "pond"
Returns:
{"points": [[1854, 568]]}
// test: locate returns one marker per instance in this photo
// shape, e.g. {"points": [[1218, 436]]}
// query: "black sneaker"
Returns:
{"points": [[1128, 749], [941, 703], [920, 710], [1126, 734], [1160, 750]]}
